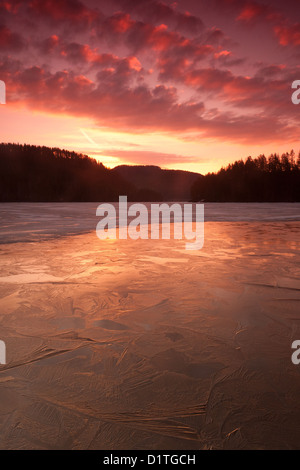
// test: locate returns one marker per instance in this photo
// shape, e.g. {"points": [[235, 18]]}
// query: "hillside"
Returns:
{"points": [[30, 173], [171, 185]]}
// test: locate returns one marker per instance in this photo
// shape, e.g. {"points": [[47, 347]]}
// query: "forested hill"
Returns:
{"points": [[30, 173], [272, 179], [40, 174], [173, 185]]}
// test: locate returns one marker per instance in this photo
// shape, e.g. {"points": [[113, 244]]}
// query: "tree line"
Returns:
{"points": [[262, 179], [30, 173]]}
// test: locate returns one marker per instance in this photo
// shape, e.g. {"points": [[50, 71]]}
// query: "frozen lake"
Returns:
{"points": [[119, 343], [115, 344], [37, 221]]}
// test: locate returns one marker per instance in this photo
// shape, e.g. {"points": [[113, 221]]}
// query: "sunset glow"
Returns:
{"points": [[186, 85]]}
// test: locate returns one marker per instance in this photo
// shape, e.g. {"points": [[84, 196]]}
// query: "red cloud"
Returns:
{"points": [[288, 35], [139, 108], [85, 76], [84, 54], [121, 22], [9, 40], [49, 45], [218, 55], [158, 12], [254, 10], [11, 6], [72, 11], [139, 35]]}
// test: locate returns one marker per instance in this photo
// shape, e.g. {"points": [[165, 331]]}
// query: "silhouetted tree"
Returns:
{"points": [[273, 179], [41, 174]]}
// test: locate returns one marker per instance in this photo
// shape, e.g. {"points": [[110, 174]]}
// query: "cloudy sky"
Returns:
{"points": [[189, 84]]}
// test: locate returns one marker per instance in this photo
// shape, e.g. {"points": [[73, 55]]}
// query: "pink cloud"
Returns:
{"points": [[288, 35], [139, 108], [134, 73], [252, 10], [140, 157]]}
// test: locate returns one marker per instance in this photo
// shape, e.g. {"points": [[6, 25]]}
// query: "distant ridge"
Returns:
{"points": [[169, 185]]}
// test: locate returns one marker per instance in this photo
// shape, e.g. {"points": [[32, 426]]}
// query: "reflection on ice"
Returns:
{"points": [[121, 344]]}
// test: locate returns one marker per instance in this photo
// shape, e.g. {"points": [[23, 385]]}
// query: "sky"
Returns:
{"points": [[190, 85]]}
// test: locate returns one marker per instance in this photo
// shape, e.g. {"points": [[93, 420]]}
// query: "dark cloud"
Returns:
{"points": [[277, 14], [156, 12], [73, 11], [10, 41]]}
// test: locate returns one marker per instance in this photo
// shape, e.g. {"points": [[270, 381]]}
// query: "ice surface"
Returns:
{"points": [[123, 344]]}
